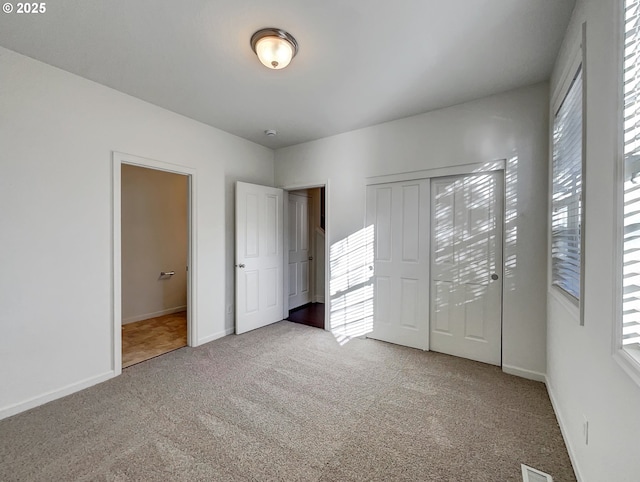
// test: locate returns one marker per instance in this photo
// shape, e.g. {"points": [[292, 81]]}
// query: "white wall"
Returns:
{"points": [[154, 239], [583, 378], [57, 133], [512, 126]]}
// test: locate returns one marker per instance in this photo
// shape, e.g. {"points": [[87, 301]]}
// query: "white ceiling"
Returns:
{"points": [[361, 62]]}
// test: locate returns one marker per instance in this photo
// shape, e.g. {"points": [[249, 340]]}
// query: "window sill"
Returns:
{"points": [[629, 361]]}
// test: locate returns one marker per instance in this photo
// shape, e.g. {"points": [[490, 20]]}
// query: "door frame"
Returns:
{"points": [[327, 274], [119, 159], [448, 171]]}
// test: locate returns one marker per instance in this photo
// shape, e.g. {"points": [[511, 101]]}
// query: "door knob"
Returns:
{"points": [[494, 276], [310, 258], [241, 265]]}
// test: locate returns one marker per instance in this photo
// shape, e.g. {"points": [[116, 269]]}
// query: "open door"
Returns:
{"points": [[259, 256]]}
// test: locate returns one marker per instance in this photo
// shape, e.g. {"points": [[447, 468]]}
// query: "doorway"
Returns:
{"points": [[153, 259], [154, 220], [306, 237]]}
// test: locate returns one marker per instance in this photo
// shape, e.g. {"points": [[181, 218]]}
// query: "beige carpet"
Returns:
{"points": [[286, 402]]}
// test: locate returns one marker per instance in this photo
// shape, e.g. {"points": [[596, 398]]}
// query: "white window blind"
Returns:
{"points": [[631, 139], [566, 198]]}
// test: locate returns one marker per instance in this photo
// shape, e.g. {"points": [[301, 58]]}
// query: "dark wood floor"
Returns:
{"points": [[311, 314]]}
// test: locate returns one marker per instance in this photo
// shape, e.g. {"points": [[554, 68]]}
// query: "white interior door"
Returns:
{"points": [[299, 292], [466, 266], [399, 213], [259, 256]]}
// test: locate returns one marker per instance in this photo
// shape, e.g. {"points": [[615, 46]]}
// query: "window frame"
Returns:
{"points": [[627, 359], [578, 63]]}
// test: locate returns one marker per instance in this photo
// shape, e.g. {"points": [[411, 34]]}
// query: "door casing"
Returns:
{"points": [[118, 159]]}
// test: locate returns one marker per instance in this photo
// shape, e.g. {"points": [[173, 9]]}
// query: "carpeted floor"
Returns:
{"points": [[286, 402]]}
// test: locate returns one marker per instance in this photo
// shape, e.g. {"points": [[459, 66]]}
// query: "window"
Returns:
{"points": [[630, 335], [566, 200]]}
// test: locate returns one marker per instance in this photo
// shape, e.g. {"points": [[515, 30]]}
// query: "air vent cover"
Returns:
{"points": [[529, 474]]}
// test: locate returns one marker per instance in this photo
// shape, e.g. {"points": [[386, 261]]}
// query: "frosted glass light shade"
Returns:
{"points": [[274, 47], [274, 52]]}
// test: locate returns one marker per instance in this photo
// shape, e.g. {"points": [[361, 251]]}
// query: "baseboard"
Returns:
{"points": [[215, 336], [563, 431], [524, 373], [16, 408], [319, 299], [146, 316]]}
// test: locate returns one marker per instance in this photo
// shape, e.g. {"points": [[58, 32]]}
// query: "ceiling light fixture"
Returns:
{"points": [[274, 47]]}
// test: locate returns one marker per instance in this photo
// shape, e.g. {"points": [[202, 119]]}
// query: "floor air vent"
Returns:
{"points": [[529, 474]]}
